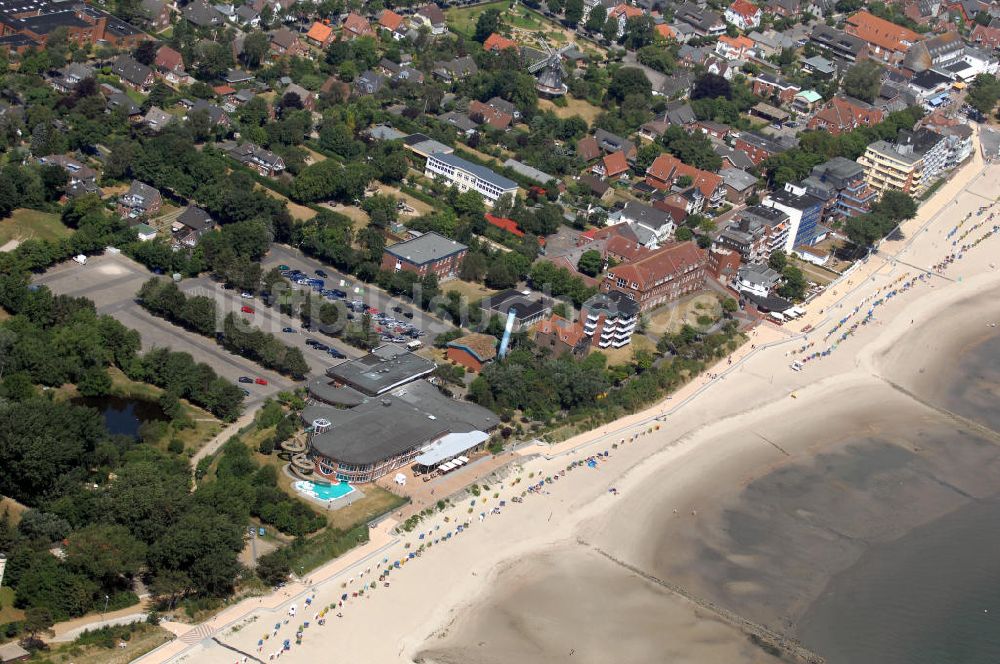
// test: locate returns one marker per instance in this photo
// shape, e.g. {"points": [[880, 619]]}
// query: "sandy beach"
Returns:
{"points": [[730, 513]]}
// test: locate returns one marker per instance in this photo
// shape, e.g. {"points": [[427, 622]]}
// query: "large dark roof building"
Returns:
{"points": [[385, 368], [527, 309]]}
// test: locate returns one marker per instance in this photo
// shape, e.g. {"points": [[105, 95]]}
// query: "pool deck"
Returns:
{"points": [[335, 503]]}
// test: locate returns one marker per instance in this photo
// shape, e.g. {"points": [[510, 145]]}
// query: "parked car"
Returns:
{"points": [[311, 342], [289, 330], [246, 309], [337, 354], [260, 381], [284, 267], [246, 296], [322, 347], [321, 273], [339, 293], [246, 379], [398, 309], [245, 391], [408, 314]]}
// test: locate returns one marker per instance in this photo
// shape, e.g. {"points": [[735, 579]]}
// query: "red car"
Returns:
{"points": [[247, 310], [260, 381]]}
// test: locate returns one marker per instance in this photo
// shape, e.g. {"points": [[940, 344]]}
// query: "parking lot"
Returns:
{"points": [[371, 295], [269, 320], [112, 282]]}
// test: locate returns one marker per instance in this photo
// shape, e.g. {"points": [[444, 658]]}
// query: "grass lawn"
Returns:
{"points": [[358, 216], [463, 19], [25, 224], [686, 310], [623, 355], [524, 19], [315, 156], [574, 106], [141, 641], [7, 611], [300, 212], [420, 206], [474, 292]]}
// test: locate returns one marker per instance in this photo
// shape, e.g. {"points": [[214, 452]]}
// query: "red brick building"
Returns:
{"points": [[886, 40], [723, 264], [666, 169], [772, 86], [561, 336], [660, 277], [472, 351], [430, 253], [843, 114]]}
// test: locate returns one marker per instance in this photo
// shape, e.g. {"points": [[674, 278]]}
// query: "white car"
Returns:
{"points": [[246, 296]]}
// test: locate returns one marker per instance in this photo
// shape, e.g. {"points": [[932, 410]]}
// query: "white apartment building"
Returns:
{"points": [[465, 175]]}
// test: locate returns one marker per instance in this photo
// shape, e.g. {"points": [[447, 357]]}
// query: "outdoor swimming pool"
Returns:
{"points": [[323, 491]]}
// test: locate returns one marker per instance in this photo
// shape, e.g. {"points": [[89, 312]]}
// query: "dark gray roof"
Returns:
{"points": [[122, 100], [679, 113], [765, 215], [379, 429], [458, 416], [381, 370], [838, 171], [504, 301], [215, 113], [646, 215], [196, 218], [427, 248], [323, 389], [737, 179], [612, 304], [129, 69], [202, 14]]}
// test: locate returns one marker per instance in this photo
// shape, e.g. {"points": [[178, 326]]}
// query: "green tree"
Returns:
{"points": [[273, 568], [256, 46], [984, 93], [105, 553], [629, 81], [487, 23], [38, 620], [777, 261], [590, 263], [573, 12], [794, 286], [863, 81], [597, 18]]}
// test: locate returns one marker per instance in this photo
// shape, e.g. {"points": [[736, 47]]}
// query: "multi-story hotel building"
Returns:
{"points": [[911, 164], [465, 175], [609, 319]]}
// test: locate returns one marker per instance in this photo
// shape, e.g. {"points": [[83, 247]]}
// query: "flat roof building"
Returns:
{"points": [[430, 253], [527, 310], [804, 214], [385, 368], [388, 431]]}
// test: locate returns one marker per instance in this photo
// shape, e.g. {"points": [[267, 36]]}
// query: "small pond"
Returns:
{"points": [[123, 416]]}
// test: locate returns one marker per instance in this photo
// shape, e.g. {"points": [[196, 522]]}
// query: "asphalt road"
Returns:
{"points": [[112, 282]]}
